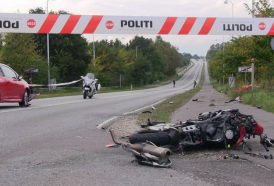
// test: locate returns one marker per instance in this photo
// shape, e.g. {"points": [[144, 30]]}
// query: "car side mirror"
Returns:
{"points": [[19, 78]]}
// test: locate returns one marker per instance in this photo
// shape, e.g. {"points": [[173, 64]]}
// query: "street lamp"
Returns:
{"points": [[48, 49], [93, 49], [232, 4], [252, 8]]}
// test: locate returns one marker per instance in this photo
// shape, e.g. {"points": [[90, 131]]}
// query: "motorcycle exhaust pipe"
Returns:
{"points": [[160, 152]]}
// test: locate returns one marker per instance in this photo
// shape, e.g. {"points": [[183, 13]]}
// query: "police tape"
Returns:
{"points": [[107, 24], [55, 84]]}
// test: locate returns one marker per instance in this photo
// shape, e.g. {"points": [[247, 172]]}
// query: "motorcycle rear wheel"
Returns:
{"points": [[158, 138]]}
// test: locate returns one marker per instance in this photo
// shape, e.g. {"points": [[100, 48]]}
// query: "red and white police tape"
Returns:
{"points": [[56, 84], [99, 24]]}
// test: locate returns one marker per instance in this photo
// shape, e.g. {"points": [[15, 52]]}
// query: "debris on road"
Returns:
{"points": [[237, 99]]}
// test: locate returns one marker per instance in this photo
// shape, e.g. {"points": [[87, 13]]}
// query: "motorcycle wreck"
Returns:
{"points": [[223, 128], [90, 85]]}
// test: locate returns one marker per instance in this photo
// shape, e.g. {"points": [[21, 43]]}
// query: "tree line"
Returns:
{"points": [[139, 62], [225, 58]]}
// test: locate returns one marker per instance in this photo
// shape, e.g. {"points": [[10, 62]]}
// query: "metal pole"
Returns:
{"points": [[253, 8], [232, 8], [120, 80], [223, 74], [252, 75], [93, 45], [48, 50]]}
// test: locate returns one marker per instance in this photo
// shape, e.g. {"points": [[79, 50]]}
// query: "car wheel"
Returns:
{"points": [[25, 100]]}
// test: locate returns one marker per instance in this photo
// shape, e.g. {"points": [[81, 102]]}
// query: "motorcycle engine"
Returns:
{"points": [[229, 134]]}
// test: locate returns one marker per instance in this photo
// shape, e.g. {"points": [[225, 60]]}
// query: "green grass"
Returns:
{"points": [[165, 109], [261, 98], [224, 88], [68, 91], [258, 97]]}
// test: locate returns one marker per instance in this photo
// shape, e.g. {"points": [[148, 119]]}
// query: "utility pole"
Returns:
{"points": [[48, 50], [93, 49]]}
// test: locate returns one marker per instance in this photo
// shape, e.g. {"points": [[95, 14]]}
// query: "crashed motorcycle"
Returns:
{"points": [[223, 128], [90, 85]]}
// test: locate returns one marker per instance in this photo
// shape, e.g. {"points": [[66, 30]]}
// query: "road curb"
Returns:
{"points": [[107, 123]]}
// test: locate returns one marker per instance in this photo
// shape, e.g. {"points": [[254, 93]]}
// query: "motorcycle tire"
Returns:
{"points": [[158, 138], [90, 96], [85, 94]]}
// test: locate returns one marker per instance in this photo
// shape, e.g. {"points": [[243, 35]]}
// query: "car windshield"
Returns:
{"points": [[8, 72], [1, 73]]}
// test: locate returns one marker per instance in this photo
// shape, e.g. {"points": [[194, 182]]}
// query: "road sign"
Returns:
{"points": [[245, 69], [231, 82], [101, 24]]}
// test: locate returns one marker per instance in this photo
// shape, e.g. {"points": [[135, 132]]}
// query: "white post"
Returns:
{"points": [[245, 77], [252, 75]]}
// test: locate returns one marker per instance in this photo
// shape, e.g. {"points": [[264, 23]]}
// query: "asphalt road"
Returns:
{"points": [[55, 141]]}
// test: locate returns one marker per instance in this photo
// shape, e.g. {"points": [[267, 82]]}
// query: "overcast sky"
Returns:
{"points": [[191, 44]]}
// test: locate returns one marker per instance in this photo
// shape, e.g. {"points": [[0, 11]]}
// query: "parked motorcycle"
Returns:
{"points": [[90, 85]]}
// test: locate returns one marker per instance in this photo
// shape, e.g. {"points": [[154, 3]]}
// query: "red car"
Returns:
{"points": [[13, 88]]}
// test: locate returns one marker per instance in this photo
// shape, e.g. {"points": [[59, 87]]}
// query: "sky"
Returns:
{"points": [[180, 8]]}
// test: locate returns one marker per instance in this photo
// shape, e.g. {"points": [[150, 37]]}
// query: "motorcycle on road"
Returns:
{"points": [[90, 85]]}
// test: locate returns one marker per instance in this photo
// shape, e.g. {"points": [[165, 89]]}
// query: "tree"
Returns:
{"points": [[69, 54], [19, 53], [243, 51]]}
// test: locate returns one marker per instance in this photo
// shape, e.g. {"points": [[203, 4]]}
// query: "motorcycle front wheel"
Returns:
{"points": [[91, 95], [85, 94]]}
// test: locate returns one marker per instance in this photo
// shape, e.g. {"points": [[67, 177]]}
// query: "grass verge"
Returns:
{"points": [[165, 109], [261, 98], [68, 91]]}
